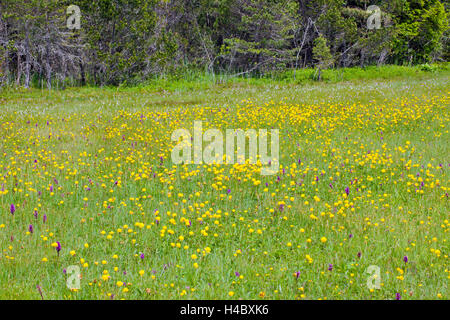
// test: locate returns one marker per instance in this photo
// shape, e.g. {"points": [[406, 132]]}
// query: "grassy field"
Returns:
{"points": [[87, 180]]}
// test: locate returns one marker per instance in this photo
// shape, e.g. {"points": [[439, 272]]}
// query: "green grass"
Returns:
{"points": [[379, 135]]}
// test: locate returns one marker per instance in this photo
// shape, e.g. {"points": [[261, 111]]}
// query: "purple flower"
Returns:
{"points": [[237, 274], [40, 291], [142, 256], [228, 191], [350, 236], [35, 214], [12, 209], [398, 296], [405, 259], [30, 228], [347, 191], [58, 247], [359, 254], [44, 218], [297, 274], [330, 267]]}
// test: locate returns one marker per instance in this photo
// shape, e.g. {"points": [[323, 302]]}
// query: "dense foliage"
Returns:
{"points": [[129, 41]]}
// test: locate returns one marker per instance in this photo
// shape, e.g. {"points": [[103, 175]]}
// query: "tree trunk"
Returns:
{"points": [[19, 69], [83, 74], [27, 58], [5, 68], [47, 57]]}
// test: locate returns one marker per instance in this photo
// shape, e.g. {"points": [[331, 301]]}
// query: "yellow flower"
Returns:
{"points": [[119, 283], [231, 293], [141, 272], [44, 259], [323, 239]]}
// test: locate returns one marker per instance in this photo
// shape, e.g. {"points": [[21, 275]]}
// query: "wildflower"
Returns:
{"points": [[12, 209], [330, 267], [58, 247], [30, 228], [40, 291]]}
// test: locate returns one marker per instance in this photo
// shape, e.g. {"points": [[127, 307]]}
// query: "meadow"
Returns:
{"points": [[87, 181]]}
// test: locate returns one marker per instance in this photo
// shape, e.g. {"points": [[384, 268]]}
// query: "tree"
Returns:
{"points": [[420, 25], [322, 55]]}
